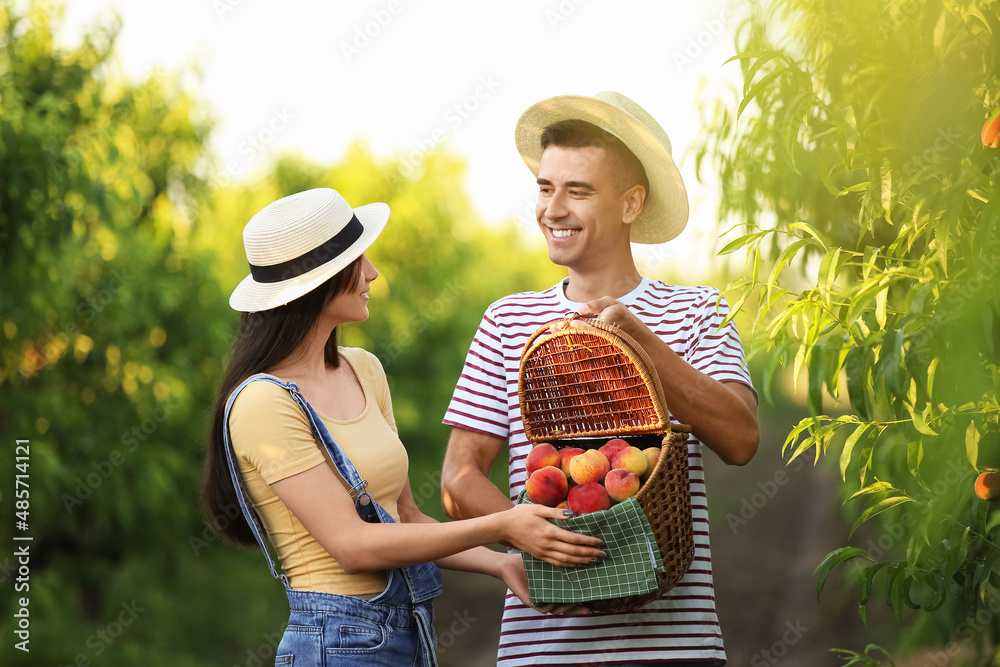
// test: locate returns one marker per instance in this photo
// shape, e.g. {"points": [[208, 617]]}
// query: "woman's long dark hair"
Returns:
{"points": [[263, 339]]}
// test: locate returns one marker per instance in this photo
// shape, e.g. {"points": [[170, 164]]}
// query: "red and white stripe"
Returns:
{"points": [[681, 627]]}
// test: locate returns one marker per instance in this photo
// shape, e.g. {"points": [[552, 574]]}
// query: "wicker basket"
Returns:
{"points": [[594, 381]]}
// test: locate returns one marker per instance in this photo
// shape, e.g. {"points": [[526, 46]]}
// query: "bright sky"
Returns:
{"points": [[406, 74]]}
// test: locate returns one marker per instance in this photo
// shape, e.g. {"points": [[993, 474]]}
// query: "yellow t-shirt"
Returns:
{"points": [[272, 441]]}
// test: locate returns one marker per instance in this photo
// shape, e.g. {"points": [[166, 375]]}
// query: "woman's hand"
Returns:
{"points": [[527, 528], [512, 574]]}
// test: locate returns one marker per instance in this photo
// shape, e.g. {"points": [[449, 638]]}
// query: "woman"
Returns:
{"points": [[303, 431]]}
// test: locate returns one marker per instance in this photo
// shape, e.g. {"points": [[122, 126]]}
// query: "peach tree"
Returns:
{"points": [[859, 164]]}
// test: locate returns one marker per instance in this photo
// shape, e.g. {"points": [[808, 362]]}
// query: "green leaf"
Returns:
{"points": [[800, 357], [886, 187], [915, 457], [972, 444], [816, 361], [746, 55], [973, 583], [856, 367], [758, 88], [757, 64], [868, 263], [825, 173], [742, 241], [940, 588], [865, 588], [860, 435], [793, 435], [891, 363], [898, 590], [865, 459], [848, 136], [774, 359], [880, 300], [828, 269], [811, 231], [875, 488], [931, 370], [832, 560], [920, 420], [785, 257], [879, 507]]}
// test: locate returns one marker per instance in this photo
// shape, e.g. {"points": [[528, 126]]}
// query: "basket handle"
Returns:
{"points": [[544, 330], [576, 315]]}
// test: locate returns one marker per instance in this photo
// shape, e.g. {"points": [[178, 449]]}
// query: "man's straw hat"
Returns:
{"points": [[665, 212]]}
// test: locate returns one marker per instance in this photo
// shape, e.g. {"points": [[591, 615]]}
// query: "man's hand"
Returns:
{"points": [[612, 311], [722, 415]]}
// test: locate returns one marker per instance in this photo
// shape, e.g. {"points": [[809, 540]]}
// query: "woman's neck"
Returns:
{"points": [[308, 360]]}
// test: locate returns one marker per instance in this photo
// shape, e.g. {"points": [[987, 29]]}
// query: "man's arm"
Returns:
{"points": [[466, 489], [722, 415]]}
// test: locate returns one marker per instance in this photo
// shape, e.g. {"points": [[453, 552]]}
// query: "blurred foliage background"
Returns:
{"points": [[117, 255], [855, 158]]}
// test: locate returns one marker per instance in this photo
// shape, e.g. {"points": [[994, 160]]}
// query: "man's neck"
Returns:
{"points": [[615, 282]]}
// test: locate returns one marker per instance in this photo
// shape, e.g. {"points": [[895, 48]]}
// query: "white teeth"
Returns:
{"points": [[564, 233]]}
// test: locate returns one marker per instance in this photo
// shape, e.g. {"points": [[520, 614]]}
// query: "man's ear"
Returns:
{"points": [[635, 198]]}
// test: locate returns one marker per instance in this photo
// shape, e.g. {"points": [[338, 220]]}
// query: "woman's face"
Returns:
{"points": [[352, 304]]}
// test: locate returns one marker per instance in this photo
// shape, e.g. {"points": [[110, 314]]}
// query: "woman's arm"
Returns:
{"points": [[319, 501], [508, 568]]}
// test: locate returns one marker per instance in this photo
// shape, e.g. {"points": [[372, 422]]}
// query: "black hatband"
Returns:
{"points": [[275, 273]]}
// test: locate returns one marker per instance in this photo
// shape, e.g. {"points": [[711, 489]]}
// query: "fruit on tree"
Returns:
{"points": [[988, 485]]}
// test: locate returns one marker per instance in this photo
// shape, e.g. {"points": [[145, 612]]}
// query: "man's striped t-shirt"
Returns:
{"points": [[683, 626]]}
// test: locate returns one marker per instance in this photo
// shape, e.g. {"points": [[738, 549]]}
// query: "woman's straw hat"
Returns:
{"points": [[665, 212], [298, 242]]}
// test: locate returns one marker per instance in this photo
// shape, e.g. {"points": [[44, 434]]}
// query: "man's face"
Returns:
{"points": [[580, 210]]}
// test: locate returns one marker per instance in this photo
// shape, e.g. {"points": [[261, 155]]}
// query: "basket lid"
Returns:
{"points": [[588, 381]]}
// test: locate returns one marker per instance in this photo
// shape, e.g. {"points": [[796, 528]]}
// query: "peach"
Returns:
{"points": [[591, 466], [621, 484], [652, 456], [611, 446], [541, 455], [631, 459], [567, 454], [562, 506], [546, 486], [588, 497], [988, 485]]}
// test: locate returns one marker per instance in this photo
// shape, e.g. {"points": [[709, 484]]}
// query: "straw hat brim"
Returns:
{"points": [[665, 212], [252, 296]]}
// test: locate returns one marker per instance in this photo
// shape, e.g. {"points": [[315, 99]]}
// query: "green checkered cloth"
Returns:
{"points": [[631, 569]]}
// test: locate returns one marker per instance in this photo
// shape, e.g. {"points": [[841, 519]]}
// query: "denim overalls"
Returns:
{"points": [[395, 628]]}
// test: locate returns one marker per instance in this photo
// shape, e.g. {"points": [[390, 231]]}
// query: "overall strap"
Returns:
{"points": [[248, 512], [365, 505], [423, 581]]}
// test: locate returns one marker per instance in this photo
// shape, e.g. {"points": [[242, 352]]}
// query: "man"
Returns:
{"points": [[605, 179]]}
